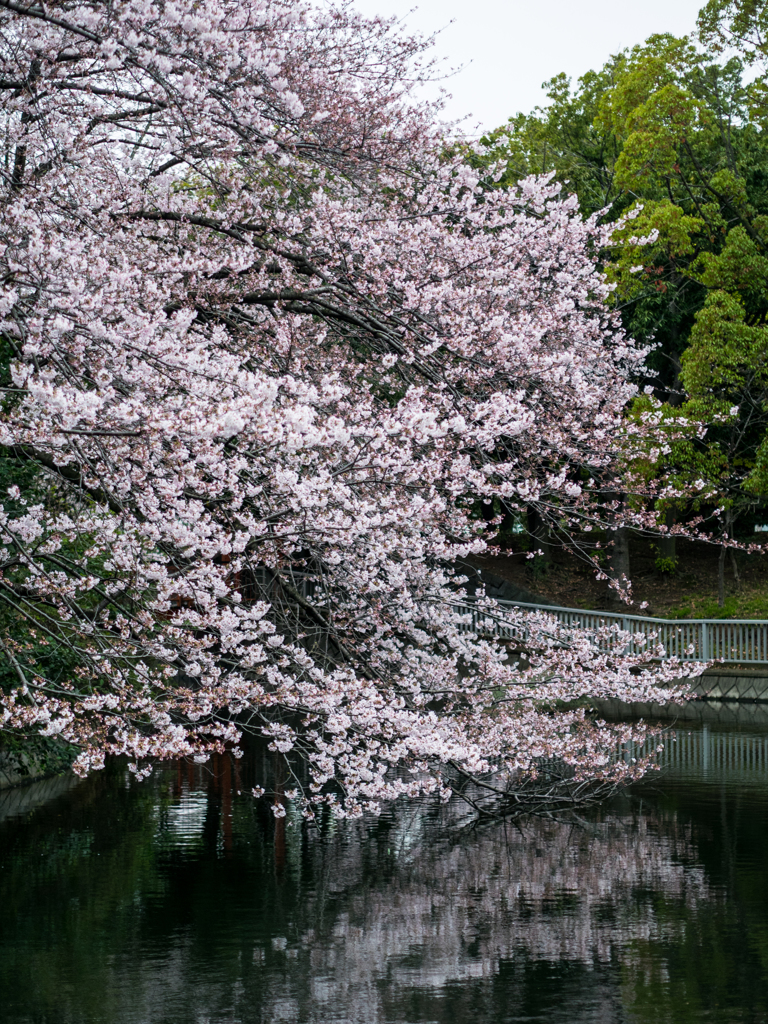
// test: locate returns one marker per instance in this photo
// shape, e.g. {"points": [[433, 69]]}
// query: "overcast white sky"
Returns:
{"points": [[509, 47]]}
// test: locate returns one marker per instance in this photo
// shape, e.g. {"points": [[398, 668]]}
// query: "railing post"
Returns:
{"points": [[625, 627], [704, 648]]}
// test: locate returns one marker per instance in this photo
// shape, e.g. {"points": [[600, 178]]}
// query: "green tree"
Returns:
{"points": [[662, 132], [670, 137]]}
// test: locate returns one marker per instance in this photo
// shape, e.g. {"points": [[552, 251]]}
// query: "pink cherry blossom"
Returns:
{"points": [[270, 345]]}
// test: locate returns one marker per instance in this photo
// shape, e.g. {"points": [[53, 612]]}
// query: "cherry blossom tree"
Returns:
{"points": [[266, 345]]}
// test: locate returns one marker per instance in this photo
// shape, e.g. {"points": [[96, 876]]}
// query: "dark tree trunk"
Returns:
{"points": [[667, 545], [537, 528], [618, 561], [727, 532], [735, 565], [721, 576]]}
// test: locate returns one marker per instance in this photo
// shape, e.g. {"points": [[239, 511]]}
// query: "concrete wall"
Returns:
{"points": [[729, 696], [734, 684]]}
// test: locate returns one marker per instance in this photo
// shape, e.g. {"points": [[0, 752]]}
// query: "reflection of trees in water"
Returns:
{"points": [[189, 910], [398, 907]]}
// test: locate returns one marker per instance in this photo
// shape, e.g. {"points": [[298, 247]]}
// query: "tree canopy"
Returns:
{"points": [[265, 345]]}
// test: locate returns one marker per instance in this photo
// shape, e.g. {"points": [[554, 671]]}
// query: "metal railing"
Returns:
{"points": [[701, 750], [742, 641]]}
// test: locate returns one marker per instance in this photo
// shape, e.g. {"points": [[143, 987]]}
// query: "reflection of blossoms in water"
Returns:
{"points": [[194, 904], [420, 913]]}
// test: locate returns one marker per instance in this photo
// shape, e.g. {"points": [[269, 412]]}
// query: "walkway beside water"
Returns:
{"points": [[737, 647]]}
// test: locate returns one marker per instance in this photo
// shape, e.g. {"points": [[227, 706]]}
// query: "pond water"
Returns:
{"points": [[177, 900]]}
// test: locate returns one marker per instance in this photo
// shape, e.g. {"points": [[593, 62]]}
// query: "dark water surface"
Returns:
{"points": [[175, 900]]}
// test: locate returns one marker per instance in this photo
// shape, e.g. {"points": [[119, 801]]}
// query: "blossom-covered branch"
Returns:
{"points": [[265, 346]]}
